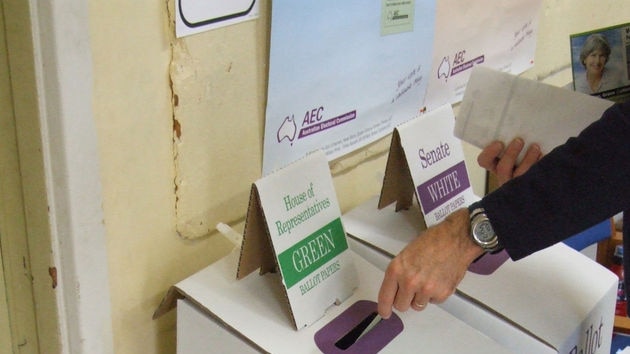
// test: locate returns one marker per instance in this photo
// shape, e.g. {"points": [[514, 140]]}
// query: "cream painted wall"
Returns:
{"points": [[132, 50], [132, 105]]}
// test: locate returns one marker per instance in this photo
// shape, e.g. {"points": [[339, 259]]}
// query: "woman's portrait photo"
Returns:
{"points": [[600, 62]]}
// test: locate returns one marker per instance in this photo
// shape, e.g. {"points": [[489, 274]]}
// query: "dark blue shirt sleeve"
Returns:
{"points": [[575, 186]]}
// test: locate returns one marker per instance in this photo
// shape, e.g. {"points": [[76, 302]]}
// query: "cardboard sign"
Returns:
{"points": [[294, 226], [425, 159]]}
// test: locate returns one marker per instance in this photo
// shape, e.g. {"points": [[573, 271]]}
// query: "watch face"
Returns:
{"points": [[484, 232]]}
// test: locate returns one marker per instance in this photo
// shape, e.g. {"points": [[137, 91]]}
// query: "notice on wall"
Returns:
{"points": [[499, 34], [600, 62], [195, 16], [343, 74]]}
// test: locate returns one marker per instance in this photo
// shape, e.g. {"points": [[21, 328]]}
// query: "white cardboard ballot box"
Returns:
{"points": [[557, 295], [216, 313]]}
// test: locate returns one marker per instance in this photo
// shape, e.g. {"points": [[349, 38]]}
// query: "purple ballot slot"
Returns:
{"points": [[341, 335], [488, 263]]}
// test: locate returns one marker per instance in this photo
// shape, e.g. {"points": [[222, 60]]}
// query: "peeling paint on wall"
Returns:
{"points": [[218, 82]]}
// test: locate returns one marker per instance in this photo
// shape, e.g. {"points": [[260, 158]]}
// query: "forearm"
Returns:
{"points": [[575, 186]]}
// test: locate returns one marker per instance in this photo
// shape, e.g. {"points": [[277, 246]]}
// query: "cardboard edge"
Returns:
{"points": [[480, 304], [587, 322], [169, 302], [372, 246], [175, 294], [285, 296], [255, 251], [397, 187], [226, 326]]}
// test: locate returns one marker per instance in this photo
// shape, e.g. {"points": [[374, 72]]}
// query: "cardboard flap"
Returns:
{"points": [[294, 227], [168, 302], [397, 183], [427, 161], [256, 251]]}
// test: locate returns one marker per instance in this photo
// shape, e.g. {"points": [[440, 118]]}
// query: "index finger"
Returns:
{"points": [[487, 158], [386, 296], [505, 167]]}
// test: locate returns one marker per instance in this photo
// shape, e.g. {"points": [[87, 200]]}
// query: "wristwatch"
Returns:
{"points": [[481, 229]]}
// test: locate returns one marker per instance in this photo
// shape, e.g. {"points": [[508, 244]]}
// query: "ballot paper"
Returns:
{"points": [[501, 106]]}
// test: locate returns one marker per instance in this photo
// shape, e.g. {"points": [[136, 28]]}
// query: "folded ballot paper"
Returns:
{"points": [[501, 106]]}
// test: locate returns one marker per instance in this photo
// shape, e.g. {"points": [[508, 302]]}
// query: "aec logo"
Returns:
{"points": [[288, 128], [460, 64], [312, 123]]}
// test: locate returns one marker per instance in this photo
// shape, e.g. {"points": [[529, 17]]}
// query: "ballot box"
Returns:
{"points": [[557, 295], [216, 313]]}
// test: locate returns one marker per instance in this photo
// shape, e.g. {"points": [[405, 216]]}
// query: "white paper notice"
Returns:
{"points": [[194, 16], [500, 34], [343, 74]]}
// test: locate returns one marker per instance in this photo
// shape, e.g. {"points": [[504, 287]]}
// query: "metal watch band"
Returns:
{"points": [[482, 232]]}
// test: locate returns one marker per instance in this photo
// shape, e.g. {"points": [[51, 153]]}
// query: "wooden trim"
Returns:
{"points": [[18, 306], [605, 252], [622, 324]]}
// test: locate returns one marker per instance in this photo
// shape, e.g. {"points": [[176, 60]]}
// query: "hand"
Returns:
{"points": [[503, 161], [429, 268]]}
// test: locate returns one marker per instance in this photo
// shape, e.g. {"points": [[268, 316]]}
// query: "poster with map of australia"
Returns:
{"points": [[343, 74]]}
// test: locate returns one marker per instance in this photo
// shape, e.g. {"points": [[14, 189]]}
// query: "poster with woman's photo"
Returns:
{"points": [[601, 62]]}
